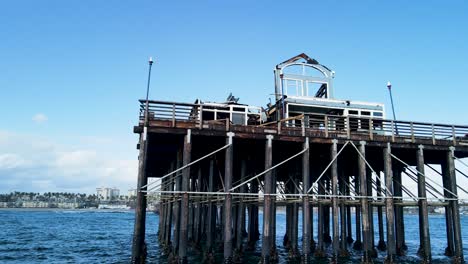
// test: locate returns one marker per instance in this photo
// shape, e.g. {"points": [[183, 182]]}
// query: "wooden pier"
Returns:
{"points": [[220, 166], [209, 167]]}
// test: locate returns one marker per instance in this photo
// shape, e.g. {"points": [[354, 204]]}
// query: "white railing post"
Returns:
{"points": [[412, 131], [348, 127], [303, 126], [326, 126], [393, 131], [200, 115], [454, 136], [433, 135], [173, 115]]}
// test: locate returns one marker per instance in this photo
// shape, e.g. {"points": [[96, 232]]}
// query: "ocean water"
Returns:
{"points": [[94, 236]]}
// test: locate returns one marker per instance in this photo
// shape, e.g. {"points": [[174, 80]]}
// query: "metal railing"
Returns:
{"points": [[328, 124], [351, 125], [170, 111]]}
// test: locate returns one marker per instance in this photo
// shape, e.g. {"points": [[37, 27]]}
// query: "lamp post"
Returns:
{"points": [[150, 62], [389, 86]]}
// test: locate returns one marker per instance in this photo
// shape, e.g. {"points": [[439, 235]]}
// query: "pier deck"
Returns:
{"points": [[327, 163]]}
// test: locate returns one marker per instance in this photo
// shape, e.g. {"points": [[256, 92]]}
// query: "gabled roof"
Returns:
{"points": [[304, 56]]}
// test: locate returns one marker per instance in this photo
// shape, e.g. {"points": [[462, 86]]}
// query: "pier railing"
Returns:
{"points": [[329, 125], [171, 111]]}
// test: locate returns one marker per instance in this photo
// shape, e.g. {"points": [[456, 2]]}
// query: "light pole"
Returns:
{"points": [[150, 62], [389, 86]]}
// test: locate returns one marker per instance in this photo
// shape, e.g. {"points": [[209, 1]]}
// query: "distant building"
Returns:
{"points": [[132, 193], [107, 194]]}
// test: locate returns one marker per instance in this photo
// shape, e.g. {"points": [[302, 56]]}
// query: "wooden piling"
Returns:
{"points": [[424, 238], [382, 246], [241, 209], [286, 239], [138, 247], [198, 210], [364, 204], [228, 169], [177, 205], [212, 211], [369, 176], [306, 225], [450, 249], [358, 242], [293, 250], [389, 208], [343, 242], [267, 204], [349, 230], [399, 214], [458, 256], [253, 233], [184, 212], [320, 250], [169, 210], [335, 212]]}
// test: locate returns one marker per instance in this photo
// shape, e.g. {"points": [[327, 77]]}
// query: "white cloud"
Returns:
{"points": [[10, 161], [40, 118], [26, 165]]}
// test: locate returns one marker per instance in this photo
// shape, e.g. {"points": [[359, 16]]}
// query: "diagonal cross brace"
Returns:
{"points": [[329, 165], [422, 174], [188, 165]]}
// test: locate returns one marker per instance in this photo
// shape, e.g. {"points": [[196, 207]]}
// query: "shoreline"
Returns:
{"points": [[64, 209]]}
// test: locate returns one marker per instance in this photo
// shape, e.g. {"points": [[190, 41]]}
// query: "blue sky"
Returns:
{"points": [[71, 71]]}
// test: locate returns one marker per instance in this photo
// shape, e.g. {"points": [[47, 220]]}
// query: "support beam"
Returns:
{"points": [[267, 204], [446, 180], [253, 233], [139, 246], [228, 173], [177, 205], [198, 210], [306, 225], [349, 230], [399, 214], [382, 246], [162, 205], [184, 212], [240, 211], [391, 246], [287, 236], [273, 253], [293, 250], [191, 209], [425, 242], [343, 244], [364, 204], [211, 215], [458, 257], [168, 211], [358, 242], [369, 176], [335, 212]]}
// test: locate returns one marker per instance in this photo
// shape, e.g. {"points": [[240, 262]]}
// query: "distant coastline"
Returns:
{"points": [[64, 209]]}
